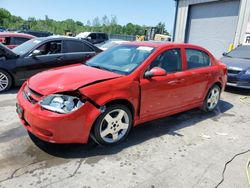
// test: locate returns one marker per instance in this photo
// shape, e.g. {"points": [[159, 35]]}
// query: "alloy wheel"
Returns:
{"points": [[114, 126], [213, 98], [4, 81]]}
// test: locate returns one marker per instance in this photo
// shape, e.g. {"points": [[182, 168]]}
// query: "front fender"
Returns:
{"points": [[118, 89]]}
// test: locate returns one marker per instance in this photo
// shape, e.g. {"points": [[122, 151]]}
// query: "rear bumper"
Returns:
{"points": [[57, 128]]}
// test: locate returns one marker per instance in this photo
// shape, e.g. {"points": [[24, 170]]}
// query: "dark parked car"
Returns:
{"points": [[93, 37], [40, 54], [238, 66], [37, 33], [12, 40]]}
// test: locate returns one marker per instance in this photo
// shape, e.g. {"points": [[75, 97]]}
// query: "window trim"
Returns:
{"points": [[200, 50]]}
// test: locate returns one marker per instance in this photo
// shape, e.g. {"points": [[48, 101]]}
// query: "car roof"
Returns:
{"points": [[4, 34], [59, 37], [157, 44]]}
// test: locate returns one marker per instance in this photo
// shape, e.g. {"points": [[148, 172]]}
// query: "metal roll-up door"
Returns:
{"points": [[213, 25]]}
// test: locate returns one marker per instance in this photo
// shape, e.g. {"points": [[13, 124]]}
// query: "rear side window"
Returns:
{"points": [[102, 36], [18, 40], [197, 58], [76, 46]]}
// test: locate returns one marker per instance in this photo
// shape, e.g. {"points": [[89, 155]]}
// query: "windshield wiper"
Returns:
{"points": [[100, 67]]}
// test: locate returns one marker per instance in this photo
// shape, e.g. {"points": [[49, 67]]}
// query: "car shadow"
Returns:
{"points": [[168, 125], [239, 91], [13, 90]]}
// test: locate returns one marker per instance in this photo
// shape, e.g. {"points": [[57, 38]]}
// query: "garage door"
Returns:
{"points": [[213, 25]]}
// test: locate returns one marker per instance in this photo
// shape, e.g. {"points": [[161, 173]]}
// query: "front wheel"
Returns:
{"points": [[212, 99], [113, 125], [5, 81]]}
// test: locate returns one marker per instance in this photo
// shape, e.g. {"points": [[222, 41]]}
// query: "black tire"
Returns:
{"points": [[115, 126], [6, 77], [207, 106]]}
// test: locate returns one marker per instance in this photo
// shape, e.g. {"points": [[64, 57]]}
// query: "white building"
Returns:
{"points": [[213, 24]]}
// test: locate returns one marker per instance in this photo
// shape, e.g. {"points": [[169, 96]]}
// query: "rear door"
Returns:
{"points": [[51, 56], [198, 74], [77, 52]]}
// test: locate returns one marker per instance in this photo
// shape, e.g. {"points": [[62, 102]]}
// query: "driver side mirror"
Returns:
{"points": [[36, 53], [89, 38], [156, 71]]}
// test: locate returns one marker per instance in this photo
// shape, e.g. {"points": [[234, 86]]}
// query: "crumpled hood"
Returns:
{"points": [[68, 79], [236, 63]]}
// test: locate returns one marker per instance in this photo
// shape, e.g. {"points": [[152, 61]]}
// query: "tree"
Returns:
{"points": [[113, 20], [96, 22], [106, 24], [4, 15], [105, 20], [88, 23], [79, 23], [162, 28]]}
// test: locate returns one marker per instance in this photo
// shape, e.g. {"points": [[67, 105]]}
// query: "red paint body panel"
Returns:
{"points": [[149, 98], [69, 79], [65, 128]]}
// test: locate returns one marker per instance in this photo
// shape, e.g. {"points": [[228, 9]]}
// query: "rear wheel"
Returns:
{"points": [[113, 125], [5, 81], [212, 99]]}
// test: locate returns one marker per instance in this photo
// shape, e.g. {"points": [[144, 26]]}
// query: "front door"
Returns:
{"points": [[164, 93], [50, 56]]}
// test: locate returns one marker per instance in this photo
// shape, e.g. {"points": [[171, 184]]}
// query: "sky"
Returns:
{"points": [[142, 12]]}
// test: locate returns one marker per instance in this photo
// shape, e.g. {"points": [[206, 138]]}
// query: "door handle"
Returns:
{"points": [[59, 58], [177, 81], [88, 56], [174, 82]]}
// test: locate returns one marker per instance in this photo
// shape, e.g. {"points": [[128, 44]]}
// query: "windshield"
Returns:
{"points": [[26, 46], [122, 59], [240, 52]]}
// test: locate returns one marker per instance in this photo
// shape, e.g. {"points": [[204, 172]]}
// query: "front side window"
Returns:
{"points": [[197, 59], [122, 59], [53, 47], [169, 60]]}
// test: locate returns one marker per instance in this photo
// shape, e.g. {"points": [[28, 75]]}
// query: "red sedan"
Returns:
{"points": [[11, 40], [120, 88]]}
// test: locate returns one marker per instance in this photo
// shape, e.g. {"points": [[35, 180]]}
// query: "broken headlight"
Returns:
{"points": [[60, 103]]}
